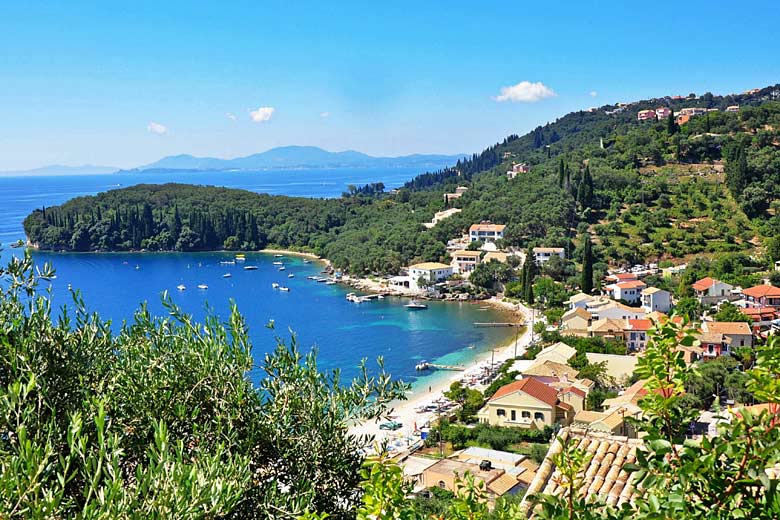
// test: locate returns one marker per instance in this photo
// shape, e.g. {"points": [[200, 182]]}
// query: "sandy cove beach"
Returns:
{"points": [[404, 411]]}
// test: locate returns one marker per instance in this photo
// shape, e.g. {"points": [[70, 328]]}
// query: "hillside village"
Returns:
{"points": [[577, 381]]}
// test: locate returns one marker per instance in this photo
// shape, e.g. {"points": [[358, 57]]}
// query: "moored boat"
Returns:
{"points": [[226, 275], [415, 305], [285, 289], [250, 267], [181, 287], [203, 286]]}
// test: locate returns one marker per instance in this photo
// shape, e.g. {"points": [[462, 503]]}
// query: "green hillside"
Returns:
{"points": [[644, 190]]}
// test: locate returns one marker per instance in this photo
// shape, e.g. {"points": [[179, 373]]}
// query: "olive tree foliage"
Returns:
{"points": [[722, 477], [159, 420]]}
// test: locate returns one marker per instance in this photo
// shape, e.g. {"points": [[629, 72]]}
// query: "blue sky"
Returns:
{"points": [[126, 83]]}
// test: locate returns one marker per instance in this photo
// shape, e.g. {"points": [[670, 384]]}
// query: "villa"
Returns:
{"points": [[486, 231], [465, 261], [432, 272], [709, 290], [527, 403], [762, 296], [543, 254], [656, 300], [630, 291]]}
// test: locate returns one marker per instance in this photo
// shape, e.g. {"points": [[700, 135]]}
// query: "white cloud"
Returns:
{"points": [[262, 114], [324, 114], [230, 116], [157, 128], [526, 92], [593, 93]]}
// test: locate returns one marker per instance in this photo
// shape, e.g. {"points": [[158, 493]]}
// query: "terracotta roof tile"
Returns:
{"points": [[704, 284], [604, 477], [530, 386], [759, 291], [727, 327]]}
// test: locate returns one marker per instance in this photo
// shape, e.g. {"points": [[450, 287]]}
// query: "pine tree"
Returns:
{"points": [[529, 268], [586, 283]]}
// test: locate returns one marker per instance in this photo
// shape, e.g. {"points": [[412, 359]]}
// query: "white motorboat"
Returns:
{"points": [[282, 268], [226, 275], [415, 305], [203, 286], [290, 275], [181, 287], [275, 285], [278, 263], [285, 289], [250, 267]]}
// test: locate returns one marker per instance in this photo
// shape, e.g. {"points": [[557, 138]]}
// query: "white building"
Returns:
{"points": [[543, 254], [465, 261], [431, 271], [486, 232], [655, 299], [627, 291]]}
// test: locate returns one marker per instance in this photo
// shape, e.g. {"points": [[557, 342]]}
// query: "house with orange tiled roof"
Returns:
{"points": [[709, 290], [721, 337], [636, 334], [527, 403], [762, 316], [486, 231], [629, 291], [762, 296], [621, 277]]}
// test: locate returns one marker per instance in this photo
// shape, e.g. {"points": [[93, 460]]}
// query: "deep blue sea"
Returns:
{"points": [[115, 284]]}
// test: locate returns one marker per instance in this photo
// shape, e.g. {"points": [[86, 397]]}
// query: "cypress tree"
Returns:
{"points": [[586, 283], [671, 126], [561, 173]]}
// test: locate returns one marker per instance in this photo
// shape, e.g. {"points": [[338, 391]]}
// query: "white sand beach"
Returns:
{"points": [[405, 412]]}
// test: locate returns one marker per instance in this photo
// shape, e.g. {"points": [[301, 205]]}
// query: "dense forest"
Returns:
{"points": [[642, 190]]}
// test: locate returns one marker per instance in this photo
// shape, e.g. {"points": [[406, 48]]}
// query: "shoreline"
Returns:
{"points": [[404, 411]]}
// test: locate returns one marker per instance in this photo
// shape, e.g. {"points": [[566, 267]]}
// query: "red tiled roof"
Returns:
{"points": [[565, 406], [727, 327], [704, 284], [631, 284], [759, 291], [532, 387], [623, 277], [759, 312], [640, 324], [574, 390]]}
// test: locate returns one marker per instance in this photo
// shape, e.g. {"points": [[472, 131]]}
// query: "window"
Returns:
{"points": [[539, 416], [501, 412], [513, 415], [526, 415]]}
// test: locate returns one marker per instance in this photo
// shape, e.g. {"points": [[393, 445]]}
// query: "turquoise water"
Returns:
{"points": [[115, 284]]}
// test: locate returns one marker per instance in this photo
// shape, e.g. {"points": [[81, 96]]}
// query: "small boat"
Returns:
{"points": [[380, 297], [250, 267], [226, 275], [278, 263], [422, 365], [228, 262], [285, 289], [306, 261], [311, 278], [415, 305], [70, 287], [290, 275], [278, 256], [330, 282], [322, 280], [240, 258], [137, 267], [203, 286], [275, 285], [181, 287], [282, 268]]}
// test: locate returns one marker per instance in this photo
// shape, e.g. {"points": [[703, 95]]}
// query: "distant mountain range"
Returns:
{"points": [[59, 169], [298, 157]]}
